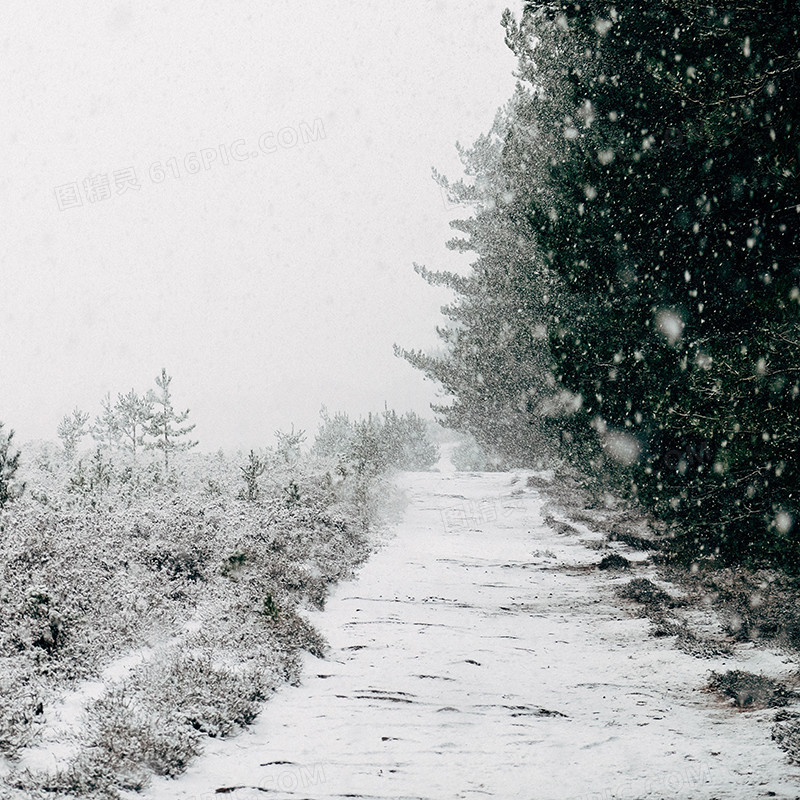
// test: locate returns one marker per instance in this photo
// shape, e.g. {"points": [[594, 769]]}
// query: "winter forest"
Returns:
{"points": [[579, 578]]}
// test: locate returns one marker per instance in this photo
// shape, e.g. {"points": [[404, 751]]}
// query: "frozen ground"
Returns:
{"points": [[474, 658]]}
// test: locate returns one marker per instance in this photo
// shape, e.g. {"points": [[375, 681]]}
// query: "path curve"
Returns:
{"points": [[474, 658]]}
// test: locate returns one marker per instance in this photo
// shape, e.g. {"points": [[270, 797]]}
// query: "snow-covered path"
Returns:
{"points": [[471, 659]]}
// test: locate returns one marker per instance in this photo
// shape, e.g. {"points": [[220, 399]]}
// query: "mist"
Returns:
{"points": [[234, 193]]}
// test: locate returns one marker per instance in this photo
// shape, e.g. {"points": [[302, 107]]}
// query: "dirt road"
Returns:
{"points": [[477, 656]]}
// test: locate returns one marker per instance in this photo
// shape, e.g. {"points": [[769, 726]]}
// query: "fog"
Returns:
{"points": [[234, 192]]}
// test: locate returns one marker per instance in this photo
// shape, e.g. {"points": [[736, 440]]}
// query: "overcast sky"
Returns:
{"points": [[234, 191]]}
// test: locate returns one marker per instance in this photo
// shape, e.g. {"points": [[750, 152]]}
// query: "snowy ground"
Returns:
{"points": [[473, 657]]}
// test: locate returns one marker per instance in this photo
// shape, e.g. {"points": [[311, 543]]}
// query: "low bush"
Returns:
{"points": [[644, 591], [750, 691], [786, 732], [754, 604], [201, 691], [614, 561], [123, 745], [20, 705], [690, 642]]}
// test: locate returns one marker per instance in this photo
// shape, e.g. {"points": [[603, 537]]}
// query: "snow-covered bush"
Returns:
{"points": [[106, 556]]}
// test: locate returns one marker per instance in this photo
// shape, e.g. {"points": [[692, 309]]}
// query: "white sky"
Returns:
{"points": [[267, 286]]}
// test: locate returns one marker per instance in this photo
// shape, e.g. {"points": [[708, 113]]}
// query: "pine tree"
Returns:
{"points": [[71, 430], [10, 487], [670, 225], [367, 451], [106, 431], [133, 413], [637, 202], [164, 425], [251, 472], [334, 436], [495, 364], [411, 446], [287, 445]]}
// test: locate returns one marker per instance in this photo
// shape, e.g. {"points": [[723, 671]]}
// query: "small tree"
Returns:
{"points": [[288, 444], [334, 436], [133, 413], [106, 430], [368, 450], [164, 425], [251, 472], [94, 481], [71, 430], [10, 488]]}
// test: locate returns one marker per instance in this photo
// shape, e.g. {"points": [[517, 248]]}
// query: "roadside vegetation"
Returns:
{"points": [[632, 305], [165, 589]]}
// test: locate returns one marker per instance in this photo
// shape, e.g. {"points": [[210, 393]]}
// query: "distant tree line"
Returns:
{"points": [[361, 449], [377, 442], [633, 303]]}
